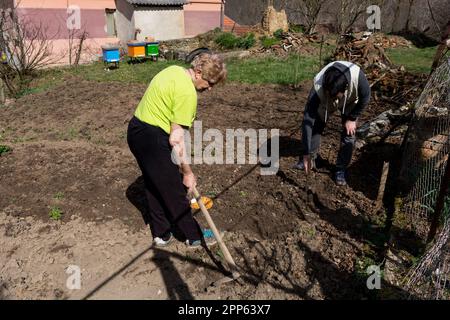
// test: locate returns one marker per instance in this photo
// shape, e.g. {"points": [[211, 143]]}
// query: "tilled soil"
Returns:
{"points": [[292, 240]]}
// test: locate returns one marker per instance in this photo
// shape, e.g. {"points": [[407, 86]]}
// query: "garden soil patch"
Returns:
{"points": [[69, 152]]}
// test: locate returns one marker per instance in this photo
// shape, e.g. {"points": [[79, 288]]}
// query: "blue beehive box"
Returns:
{"points": [[111, 54]]}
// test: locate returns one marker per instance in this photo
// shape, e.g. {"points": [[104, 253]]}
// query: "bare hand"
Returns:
{"points": [[350, 126], [307, 163], [176, 140], [190, 182]]}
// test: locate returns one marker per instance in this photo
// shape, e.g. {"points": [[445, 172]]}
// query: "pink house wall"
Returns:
{"points": [[63, 4], [201, 16], [53, 14]]}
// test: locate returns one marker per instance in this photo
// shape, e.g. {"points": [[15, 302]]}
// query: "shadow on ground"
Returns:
{"points": [[364, 174]]}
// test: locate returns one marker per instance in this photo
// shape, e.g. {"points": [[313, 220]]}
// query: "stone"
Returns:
{"points": [[244, 54], [274, 20]]}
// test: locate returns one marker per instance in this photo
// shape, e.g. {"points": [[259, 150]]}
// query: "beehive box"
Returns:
{"points": [[136, 50], [152, 49]]}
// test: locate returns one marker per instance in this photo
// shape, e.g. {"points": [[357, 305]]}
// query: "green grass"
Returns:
{"points": [[227, 40], [129, 73], [268, 42], [415, 60], [45, 79], [292, 70], [266, 70], [327, 52], [126, 73]]}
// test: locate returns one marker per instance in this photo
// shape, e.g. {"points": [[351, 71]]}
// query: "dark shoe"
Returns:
{"points": [[340, 178]]}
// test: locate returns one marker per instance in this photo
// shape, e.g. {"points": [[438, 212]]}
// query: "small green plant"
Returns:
{"points": [[211, 194], [362, 264], [268, 42], [311, 232], [247, 41], [296, 28], [73, 133], [55, 213], [59, 196], [4, 149], [243, 193], [278, 34], [226, 40], [220, 254]]}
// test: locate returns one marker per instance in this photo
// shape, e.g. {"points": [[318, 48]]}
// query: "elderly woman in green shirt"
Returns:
{"points": [[167, 108]]}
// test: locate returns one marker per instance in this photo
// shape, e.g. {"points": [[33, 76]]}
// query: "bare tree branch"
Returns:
{"points": [[309, 10], [432, 17], [28, 47]]}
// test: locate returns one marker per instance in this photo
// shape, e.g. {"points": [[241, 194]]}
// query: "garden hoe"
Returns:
{"points": [[228, 258]]}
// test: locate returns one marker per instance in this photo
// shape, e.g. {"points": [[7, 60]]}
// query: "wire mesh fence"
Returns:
{"points": [[426, 150], [430, 279], [424, 165]]}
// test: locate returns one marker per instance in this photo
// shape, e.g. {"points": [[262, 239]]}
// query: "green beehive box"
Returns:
{"points": [[152, 49]]}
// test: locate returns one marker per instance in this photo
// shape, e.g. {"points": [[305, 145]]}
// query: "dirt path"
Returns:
{"points": [[69, 152]]}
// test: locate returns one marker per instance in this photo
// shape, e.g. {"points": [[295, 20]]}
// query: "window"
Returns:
{"points": [[111, 22]]}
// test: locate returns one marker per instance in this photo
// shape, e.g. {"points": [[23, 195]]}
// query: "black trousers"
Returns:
{"points": [[166, 194]]}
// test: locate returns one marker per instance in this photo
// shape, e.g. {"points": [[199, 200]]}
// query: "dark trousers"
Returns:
{"points": [[347, 144], [166, 194]]}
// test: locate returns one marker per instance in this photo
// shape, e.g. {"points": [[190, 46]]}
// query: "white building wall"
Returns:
{"points": [[161, 23], [124, 21]]}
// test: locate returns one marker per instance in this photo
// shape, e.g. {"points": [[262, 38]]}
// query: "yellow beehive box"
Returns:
{"points": [[136, 50]]}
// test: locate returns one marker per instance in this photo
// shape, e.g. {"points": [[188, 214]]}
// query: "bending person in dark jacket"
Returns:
{"points": [[339, 86]]}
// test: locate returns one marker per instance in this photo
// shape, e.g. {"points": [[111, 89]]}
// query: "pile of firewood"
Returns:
{"points": [[395, 85], [362, 51], [392, 83], [291, 43], [385, 41]]}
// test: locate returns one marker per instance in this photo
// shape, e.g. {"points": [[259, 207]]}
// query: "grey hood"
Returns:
{"points": [[351, 96]]}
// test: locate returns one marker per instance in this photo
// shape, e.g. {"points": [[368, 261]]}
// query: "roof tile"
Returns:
{"points": [[158, 2]]}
